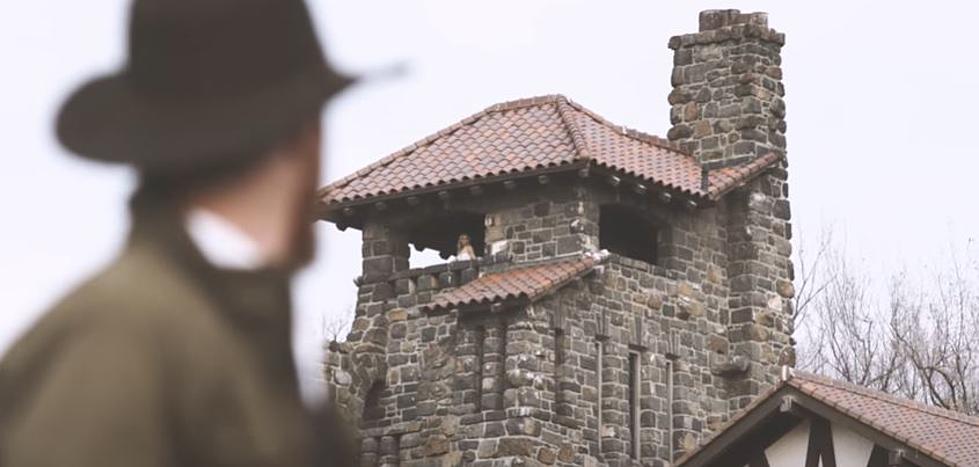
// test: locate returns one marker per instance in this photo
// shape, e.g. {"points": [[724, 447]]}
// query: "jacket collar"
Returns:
{"points": [[221, 242], [262, 293], [255, 303]]}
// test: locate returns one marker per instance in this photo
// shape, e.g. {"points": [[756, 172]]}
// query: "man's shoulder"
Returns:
{"points": [[141, 294], [139, 301], [139, 288]]}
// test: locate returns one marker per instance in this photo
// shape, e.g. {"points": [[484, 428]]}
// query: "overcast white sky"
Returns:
{"points": [[882, 100]]}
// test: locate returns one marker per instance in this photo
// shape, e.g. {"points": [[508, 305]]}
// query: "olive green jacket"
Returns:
{"points": [[159, 360]]}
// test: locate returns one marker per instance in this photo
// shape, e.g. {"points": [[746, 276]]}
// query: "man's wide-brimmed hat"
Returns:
{"points": [[207, 83]]}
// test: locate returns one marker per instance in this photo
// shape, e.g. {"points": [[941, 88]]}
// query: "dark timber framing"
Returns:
{"points": [[820, 444]]}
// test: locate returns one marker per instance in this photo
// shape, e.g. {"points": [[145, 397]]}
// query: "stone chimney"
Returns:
{"points": [[727, 105]]}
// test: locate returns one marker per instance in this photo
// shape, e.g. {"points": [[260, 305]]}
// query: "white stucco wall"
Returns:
{"points": [[852, 450], [790, 450]]}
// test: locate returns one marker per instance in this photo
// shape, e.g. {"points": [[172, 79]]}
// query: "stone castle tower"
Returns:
{"points": [[631, 293]]}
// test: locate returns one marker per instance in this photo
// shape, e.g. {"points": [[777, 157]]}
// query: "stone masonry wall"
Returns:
{"points": [[451, 389], [521, 386], [727, 94], [761, 274], [675, 316], [549, 383], [728, 108]]}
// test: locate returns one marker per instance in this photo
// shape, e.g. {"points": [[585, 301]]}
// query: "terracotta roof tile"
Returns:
{"points": [[725, 179], [528, 282], [947, 436], [529, 134]]}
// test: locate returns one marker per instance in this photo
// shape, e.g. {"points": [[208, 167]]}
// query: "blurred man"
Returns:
{"points": [[179, 353]]}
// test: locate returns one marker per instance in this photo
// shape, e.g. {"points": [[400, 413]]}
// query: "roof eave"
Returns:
{"points": [[332, 211], [735, 431], [717, 192], [746, 423], [869, 430], [328, 210], [521, 299]]}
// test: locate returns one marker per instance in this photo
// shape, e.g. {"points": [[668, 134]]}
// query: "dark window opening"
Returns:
{"points": [[480, 339], [625, 232], [441, 233], [634, 404], [599, 373], [559, 366], [558, 348], [373, 410]]}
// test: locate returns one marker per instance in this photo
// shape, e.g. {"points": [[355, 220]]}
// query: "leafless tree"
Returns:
{"points": [[335, 329], [810, 279], [915, 336], [937, 334]]}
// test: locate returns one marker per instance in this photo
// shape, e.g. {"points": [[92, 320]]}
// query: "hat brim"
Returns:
{"points": [[108, 120]]}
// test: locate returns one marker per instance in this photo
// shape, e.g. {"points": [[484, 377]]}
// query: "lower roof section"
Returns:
{"points": [[524, 282], [911, 432]]}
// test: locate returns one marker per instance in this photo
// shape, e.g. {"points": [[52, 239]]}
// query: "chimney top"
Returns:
{"points": [[716, 19], [726, 104]]}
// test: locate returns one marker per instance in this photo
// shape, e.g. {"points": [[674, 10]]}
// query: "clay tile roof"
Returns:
{"points": [[527, 135], [529, 282], [949, 437]]}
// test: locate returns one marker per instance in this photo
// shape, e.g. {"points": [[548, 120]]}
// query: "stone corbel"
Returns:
{"points": [[728, 367]]}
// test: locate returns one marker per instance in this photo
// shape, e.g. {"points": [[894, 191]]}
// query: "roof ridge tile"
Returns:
{"points": [[573, 130], [527, 102], [387, 160], [631, 132]]}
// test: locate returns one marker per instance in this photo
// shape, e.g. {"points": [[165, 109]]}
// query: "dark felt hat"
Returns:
{"points": [[207, 83]]}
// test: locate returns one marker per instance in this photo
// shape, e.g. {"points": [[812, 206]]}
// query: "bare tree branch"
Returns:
{"points": [[917, 339]]}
